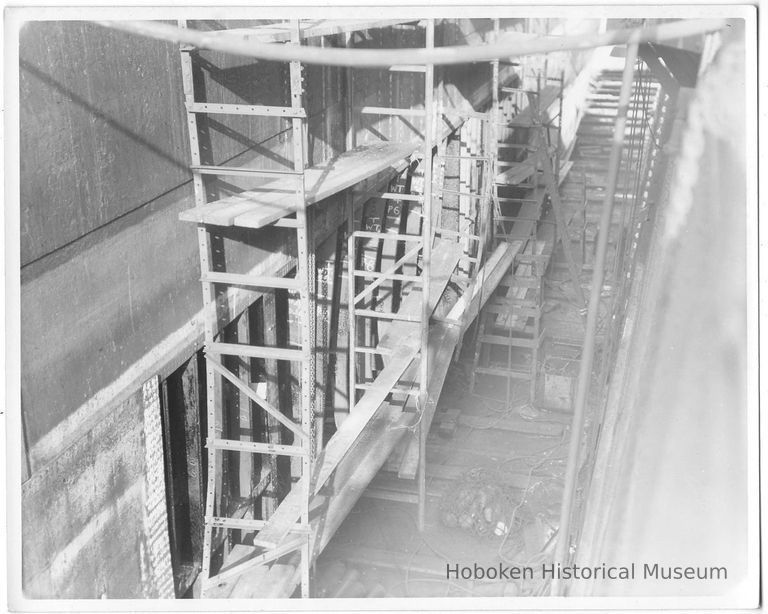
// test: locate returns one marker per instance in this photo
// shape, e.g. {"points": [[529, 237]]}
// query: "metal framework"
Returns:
{"points": [[288, 529], [217, 517], [362, 283]]}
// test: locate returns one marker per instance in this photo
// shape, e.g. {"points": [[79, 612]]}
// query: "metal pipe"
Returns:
{"points": [[588, 352], [513, 46], [426, 261]]}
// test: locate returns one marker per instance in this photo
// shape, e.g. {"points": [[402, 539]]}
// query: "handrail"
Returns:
{"points": [[562, 549]]}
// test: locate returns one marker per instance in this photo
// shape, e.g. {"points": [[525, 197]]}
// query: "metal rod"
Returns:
{"points": [[426, 257], [351, 317], [305, 275], [588, 352], [375, 284], [514, 46]]}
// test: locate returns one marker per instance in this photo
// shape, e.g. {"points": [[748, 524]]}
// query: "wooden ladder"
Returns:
{"points": [[512, 319]]}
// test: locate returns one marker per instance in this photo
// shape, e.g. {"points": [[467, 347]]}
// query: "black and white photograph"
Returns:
{"points": [[351, 308]]}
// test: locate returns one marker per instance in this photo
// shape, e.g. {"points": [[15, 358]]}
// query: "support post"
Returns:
{"points": [[426, 255], [585, 368]]}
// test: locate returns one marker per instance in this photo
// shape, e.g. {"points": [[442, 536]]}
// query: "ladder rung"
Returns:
{"points": [[255, 351], [456, 233], [513, 310], [244, 109], [385, 315], [390, 196], [392, 111], [245, 524], [458, 157], [524, 343], [366, 234], [249, 524], [470, 113], [502, 372], [499, 339], [506, 199], [514, 218], [518, 90], [532, 258], [255, 447], [524, 281], [395, 276], [395, 196], [459, 193], [244, 172], [235, 279], [369, 350], [517, 123]]}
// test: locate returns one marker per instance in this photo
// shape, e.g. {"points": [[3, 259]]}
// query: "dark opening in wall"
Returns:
{"points": [[184, 419]]}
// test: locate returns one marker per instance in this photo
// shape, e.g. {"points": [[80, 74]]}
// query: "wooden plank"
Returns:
{"points": [[276, 198], [445, 256], [514, 319], [254, 351], [517, 173]]}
